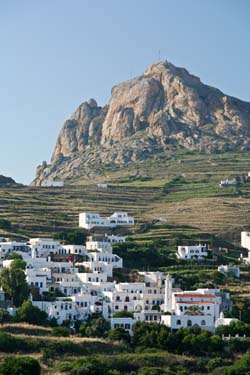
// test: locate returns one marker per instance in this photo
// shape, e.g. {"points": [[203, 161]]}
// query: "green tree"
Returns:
{"points": [[95, 326], [13, 282], [61, 331], [119, 334], [4, 316], [75, 236], [20, 366], [18, 263], [31, 314], [13, 256]]}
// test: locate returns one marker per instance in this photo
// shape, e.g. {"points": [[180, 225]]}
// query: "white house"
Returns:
{"points": [[42, 247], [188, 308], [126, 323], [89, 220], [12, 247], [226, 269], [62, 310], [51, 183], [107, 238], [221, 321], [245, 240], [39, 278], [226, 183], [192, 252], [102, 186], [121, 218]]}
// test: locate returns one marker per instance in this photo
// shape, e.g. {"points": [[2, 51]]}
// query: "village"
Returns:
{"points": [[81, 277]]}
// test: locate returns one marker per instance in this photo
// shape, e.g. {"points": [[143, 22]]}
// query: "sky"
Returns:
{"points": [[56, 54]]}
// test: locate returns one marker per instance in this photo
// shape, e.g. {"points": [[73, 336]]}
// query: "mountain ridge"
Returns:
{"points": [[6, 181], [163, 110]]}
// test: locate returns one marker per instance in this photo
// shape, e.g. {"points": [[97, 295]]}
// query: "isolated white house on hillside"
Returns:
{"points": [[89, 220], [245, 240], [192, 252], [51, 183]]}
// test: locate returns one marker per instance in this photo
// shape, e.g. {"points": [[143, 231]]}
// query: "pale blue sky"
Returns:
{"points": [[56, 54]]}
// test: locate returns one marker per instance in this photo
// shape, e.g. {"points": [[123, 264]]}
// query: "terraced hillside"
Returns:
{"points": [[182, 190]]}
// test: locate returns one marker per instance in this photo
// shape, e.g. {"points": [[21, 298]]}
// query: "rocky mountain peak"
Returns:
{"points": [[166, 108]]}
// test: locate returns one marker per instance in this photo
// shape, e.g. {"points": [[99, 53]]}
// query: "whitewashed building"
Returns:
{"points": [[245, 240], [226, 183], [89, 220], [192, 252], [200, 307], [222, 321], [51, 183], [229, 270], [12, 247], [125, 323]]}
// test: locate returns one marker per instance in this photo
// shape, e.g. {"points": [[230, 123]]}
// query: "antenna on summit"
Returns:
{"points": [[159, 55]]}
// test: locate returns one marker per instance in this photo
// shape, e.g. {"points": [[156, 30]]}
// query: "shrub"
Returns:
{"points": [[5, 224], [214, 363], [31, 314], [123, 314], [20, 366], [60, 331], [119, 334], [95, 326]]}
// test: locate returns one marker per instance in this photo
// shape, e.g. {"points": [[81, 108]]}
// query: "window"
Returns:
{"points": [[189, 323], [178, 322], [203, 322]]}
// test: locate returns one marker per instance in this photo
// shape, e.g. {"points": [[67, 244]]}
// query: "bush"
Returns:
{"points": [[95, 326], [13, 256], [123, 314], [5, 224], [119, 334], [214, 363], [5, 317], [60, 331], [75, 236], [31, 314], [20, 366]]}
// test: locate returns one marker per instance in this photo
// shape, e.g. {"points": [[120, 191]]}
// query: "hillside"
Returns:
{"points": [[183, 190], [156, 115]]}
